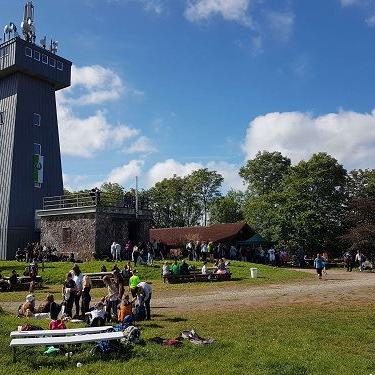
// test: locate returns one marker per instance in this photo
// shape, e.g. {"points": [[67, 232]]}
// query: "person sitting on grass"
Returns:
{"points": [[175, 268], [319, 265], [166, 270], [125, 308], [27, 309], [49, 306], [184, 268], [97, 316]]}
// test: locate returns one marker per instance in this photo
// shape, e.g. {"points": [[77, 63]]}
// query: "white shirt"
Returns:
{"points": [[204, 270], [146, 288], [78, 280], [97, 314], [118, 248], [113, 248]]}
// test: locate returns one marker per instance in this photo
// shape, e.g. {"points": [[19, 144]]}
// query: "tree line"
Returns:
{"points": [[316, 204]]}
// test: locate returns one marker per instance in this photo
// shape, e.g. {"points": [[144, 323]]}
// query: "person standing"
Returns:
{"points": [[348, 259], [113, 250], [133, 282], [111, 298], [198, 249], [271, 256], [359, 257], [69, 294], [204, 251], [135, 255], [86, 297], [319, 265], [78, 279], [145, 290], [117, 251]]}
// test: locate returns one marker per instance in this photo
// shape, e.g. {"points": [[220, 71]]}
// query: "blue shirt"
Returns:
{"points": [[318, 263]]}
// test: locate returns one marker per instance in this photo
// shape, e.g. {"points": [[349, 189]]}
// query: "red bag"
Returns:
{"points": [[57, 324]]}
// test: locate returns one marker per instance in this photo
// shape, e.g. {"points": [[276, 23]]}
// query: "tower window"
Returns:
{"points": [[36, 119], [37, 149], [45, 59], [60, 65], [37, 55], [52, 62], [4, 52], [28, 52], [2, 118]]}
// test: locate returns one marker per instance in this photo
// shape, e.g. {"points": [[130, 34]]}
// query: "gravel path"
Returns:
{"points": [[338, 286]]}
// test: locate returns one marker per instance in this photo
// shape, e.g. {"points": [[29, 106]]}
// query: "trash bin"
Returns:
{"points": [[254, 273]]}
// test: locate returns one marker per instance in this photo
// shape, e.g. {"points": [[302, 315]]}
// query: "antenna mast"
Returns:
{"points": [[27, 25]]}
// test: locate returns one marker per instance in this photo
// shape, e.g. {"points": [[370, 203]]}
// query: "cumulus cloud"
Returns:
{"points": [[142, 145], [171, 167], [346, 135], [230, 10], [86, 136], [126, 173]]}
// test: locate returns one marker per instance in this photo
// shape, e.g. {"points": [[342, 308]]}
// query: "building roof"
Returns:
{"points": [[215, 233]]}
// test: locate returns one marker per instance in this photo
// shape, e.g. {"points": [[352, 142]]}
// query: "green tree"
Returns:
{"points": [[265, 172], [206, 186], [111, 194], [227, 209]]}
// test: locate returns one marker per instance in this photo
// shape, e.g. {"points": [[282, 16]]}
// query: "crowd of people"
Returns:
{"points": [[116, 305]]}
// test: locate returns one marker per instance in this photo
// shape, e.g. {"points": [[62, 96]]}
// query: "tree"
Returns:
{"points": [[173, 203], [265, 173], [112, 194], [227, 209], [206, 187]]}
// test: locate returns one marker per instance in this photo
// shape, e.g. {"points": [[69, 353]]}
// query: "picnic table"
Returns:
{"points": [[59, 332], [97, 278], [195, 276], [23, 282]]}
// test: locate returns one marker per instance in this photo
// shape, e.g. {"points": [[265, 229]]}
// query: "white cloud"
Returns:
{"points": [[92, 85], [126, 173], [281, 24], [346, 3], [171, 167], [142, 145], [370, 20], [346, 135], [230, 10], [86, 136]]}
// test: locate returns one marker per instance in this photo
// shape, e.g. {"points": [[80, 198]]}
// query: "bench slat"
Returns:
{"points": [[64, 340], [60, 332]]}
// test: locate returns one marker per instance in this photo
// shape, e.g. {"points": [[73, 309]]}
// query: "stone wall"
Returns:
{"points": [[82, 241]]}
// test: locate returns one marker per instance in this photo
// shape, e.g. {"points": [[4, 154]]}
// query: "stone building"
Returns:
{"points": [[87, 227]]}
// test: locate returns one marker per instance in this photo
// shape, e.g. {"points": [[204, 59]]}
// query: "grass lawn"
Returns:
{"points": [[54, 274], [296, 340]]}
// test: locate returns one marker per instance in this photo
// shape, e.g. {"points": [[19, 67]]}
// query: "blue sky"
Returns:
{"points": [[167, 86]]}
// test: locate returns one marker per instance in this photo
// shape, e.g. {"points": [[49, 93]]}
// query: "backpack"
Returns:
{"points": [[132, 334], [29, 327], [140, 313], [105, 347]]}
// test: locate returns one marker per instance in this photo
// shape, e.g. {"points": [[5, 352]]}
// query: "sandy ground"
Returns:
{"points": [[339, 287]]}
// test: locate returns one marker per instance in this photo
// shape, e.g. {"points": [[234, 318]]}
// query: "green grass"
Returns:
{"points": [[54, 274], [300, 340]]}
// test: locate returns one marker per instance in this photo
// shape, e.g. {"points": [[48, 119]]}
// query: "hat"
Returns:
{"points": [[30, 298]]}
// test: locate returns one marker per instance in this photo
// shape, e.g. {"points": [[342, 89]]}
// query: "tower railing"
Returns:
{"points": [[93, 199]]}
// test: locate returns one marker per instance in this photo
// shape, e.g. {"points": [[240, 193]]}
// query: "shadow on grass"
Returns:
{"points": [[176, 319], [153, 325]]}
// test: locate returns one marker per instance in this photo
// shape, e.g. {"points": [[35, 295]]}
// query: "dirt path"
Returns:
{"points": [[338, 286]]}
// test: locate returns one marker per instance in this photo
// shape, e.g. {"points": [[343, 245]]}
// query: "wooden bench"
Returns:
{"points": [[195, 276], [59, 332], [97, 278], [24, 283], [62, 340]]}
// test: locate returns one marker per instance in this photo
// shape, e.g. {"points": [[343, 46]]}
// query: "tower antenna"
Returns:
{"points": [[27, 25]]}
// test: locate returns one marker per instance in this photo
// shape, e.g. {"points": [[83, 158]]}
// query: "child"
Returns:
{"points": [[125, 308], [166, 270], [96, 317]]}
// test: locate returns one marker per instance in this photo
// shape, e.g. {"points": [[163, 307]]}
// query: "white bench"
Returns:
{"points": [[63, 340], [60, 332]]}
